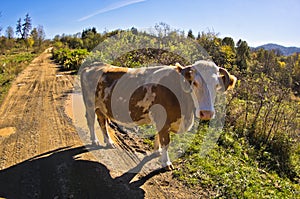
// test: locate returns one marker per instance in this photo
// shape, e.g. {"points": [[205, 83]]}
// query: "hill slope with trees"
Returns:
{"points": [[286, 51]]}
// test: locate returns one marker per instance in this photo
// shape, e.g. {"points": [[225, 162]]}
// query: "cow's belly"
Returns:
{"points": [[132, 124], [128, 117]]}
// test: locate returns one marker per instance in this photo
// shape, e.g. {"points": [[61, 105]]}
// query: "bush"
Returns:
{"points": [[69, 59], [261, 111]]}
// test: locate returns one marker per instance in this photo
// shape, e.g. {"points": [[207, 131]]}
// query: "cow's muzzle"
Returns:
{"points": [[206, 115]]}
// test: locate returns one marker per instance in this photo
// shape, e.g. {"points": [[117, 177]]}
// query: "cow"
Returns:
{"points": [[169, 97]]}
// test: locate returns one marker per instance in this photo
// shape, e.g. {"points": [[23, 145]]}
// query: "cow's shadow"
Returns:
{"points": [[59, 174]]}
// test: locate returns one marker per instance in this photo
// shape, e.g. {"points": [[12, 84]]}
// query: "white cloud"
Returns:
{"points": [[111, 7]]}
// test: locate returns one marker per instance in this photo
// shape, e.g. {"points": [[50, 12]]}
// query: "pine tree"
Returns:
{"points": [[19, 28], [243, 55], [190, 34], [26, 27], [23, 30]]}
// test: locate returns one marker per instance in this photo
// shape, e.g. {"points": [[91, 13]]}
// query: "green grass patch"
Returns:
{"points": [[10, 66], [230, 170]]}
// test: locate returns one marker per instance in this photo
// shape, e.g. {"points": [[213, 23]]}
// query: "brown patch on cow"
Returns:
{"points": [[148, 99], [167, 99], [110, 75], [175, 126], [139, 113]]}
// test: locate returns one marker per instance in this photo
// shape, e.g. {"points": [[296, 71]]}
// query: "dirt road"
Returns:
{"points": [[42, 156]]}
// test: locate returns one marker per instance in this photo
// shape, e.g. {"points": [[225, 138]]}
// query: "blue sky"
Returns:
{"points": [[255, 21]]}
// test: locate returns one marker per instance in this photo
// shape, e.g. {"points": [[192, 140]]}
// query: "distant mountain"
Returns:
{"points": [[284, 50]]}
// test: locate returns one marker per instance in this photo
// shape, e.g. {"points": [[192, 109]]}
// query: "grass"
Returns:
{"points": [[11, 65], [230, 170]]}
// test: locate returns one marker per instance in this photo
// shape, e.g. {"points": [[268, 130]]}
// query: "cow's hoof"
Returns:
{"points": [[95, 143], [169, 167], [110, 146], [156, 153]]}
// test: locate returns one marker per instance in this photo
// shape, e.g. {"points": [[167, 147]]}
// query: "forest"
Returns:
{"points": [[258, 151]]}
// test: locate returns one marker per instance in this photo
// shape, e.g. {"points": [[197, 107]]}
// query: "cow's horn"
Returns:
{"points": [[225, 77]]}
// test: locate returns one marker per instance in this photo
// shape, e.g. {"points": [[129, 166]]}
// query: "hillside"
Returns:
{"points": [[284, 50]]}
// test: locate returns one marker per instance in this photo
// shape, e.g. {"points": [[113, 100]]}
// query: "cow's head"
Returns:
{"points": [[206, 79]]}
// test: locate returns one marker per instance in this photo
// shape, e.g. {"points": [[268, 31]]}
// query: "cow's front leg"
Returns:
{"points": [[161, 144], [165, 159]]}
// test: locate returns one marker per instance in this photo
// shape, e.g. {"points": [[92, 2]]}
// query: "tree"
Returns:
{"points": [[24, 29], [38, 36], [134, 30], [229, 42], [29, 42], [227, 57], [162, 29], [85, 32], [90, 38], [190, 34], [9, 32], [26, 26], [242, 55], [19, 27], [212, 44], [198, 36]]}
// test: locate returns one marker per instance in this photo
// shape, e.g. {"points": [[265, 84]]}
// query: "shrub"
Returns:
{"points": [[69, 59]]}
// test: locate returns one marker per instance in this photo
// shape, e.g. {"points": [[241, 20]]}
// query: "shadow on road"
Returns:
{"points": [[59, 174]]}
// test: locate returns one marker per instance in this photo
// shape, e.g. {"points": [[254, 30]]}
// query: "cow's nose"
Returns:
{"points": [[206, 115]]}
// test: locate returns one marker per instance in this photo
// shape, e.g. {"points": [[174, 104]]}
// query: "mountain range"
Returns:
{"points": [[283, 50]]}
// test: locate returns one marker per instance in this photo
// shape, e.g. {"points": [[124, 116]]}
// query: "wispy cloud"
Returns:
{"points": [[111, 7]]}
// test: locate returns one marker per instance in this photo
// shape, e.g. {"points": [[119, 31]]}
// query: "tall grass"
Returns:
{"points": [[10, 66]]}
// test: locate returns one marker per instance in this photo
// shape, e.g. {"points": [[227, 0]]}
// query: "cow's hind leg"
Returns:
{"points": [[103, 125], [90, 117]]}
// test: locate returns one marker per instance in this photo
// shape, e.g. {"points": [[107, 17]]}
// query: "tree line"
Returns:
{"points": [[23, 35]]}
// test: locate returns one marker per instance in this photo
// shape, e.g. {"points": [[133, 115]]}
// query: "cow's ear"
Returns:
{"points": [[228, 80], [232, 81], [188, 73]]}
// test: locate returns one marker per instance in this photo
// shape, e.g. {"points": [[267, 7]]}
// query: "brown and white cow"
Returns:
{"points": [[167, 96]]}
